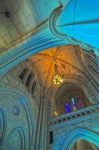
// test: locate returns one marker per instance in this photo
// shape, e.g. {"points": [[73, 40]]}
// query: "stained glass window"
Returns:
{"points": [[73, 104], [68, 107], [80, 104]]}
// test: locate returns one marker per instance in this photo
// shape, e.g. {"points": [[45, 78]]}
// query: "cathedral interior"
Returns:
{"points": [[49, 75]]}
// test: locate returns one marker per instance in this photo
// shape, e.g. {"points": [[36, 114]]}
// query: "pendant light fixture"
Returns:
{"points": [[57, 79]]}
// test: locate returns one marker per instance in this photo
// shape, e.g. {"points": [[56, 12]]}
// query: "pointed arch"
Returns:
{"points": [[80, 133]]}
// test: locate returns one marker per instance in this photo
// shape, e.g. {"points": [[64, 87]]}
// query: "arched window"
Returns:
{"points": [[70, 97], [74, 103], [33, 87], [29, 79], [23, 74], [30, 82]]}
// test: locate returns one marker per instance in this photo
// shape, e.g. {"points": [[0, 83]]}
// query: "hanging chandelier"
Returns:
{"points": [[57, 79]]}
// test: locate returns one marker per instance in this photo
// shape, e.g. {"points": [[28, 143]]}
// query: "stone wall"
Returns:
{"points": [[64, 132], [19, 111]]}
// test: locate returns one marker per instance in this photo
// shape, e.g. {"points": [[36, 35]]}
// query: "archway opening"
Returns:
{"points": [[70, 98], [81, 144], [85, 135]]}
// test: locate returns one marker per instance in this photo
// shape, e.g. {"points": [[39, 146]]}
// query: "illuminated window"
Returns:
{"points": [[68, 107], [80, 104], [73, 104]]}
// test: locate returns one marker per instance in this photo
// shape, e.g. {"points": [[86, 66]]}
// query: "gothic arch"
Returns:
{"points": [[80, 133]]}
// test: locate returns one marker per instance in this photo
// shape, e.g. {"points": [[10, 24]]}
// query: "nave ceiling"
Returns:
{"points": [[65, 57]]}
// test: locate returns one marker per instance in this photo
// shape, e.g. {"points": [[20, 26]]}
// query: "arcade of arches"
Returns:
{"points": [[49, 75]]}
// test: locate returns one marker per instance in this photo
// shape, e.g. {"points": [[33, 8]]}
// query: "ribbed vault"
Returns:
{"points": [[64, 57]]}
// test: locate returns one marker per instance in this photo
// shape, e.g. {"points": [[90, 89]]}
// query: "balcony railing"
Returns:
{"points": [[74, 117]]}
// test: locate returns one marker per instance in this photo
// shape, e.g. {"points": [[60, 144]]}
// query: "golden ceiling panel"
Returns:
{"points": [[64, 57]]}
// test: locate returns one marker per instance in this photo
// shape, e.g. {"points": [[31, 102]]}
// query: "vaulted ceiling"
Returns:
{"points": [[25, 16], [66, 59]]}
